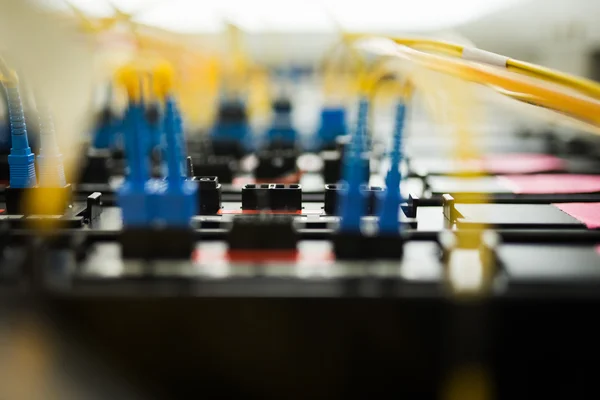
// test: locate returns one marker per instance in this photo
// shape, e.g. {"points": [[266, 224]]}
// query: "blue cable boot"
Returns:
{"points": [[389, 207], [333, 124], [231, 128], [281, 134], [21, 160], [389, 241], [353, 201], [132, 196], [349, 242], [179, 201]]}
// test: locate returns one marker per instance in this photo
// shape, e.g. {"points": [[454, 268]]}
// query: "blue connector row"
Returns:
{"points": [[147, 202], [389, 206], [353, 201]]}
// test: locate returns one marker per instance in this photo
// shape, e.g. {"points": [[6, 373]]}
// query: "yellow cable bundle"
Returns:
{"points": [[552, 96], [582, 107], [580, 84]]}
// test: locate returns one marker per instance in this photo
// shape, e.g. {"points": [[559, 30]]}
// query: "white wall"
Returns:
{"points": [[556, 33]]}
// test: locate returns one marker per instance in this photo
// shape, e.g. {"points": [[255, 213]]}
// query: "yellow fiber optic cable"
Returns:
{"points": [[582, 107], [583, 85], [527, 97]]}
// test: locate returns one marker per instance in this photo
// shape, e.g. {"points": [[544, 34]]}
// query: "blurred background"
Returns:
{"points": [[560, 34], [261, 48], [68, 55]]}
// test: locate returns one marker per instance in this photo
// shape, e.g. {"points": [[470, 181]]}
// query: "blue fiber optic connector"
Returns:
{"points": [[281, 130], [177, 202], [132, 196], [21, 160], [333, 124], [389, 206], [353, 199], [50, 160], [232, 124]]}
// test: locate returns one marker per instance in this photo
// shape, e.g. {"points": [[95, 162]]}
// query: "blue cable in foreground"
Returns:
{"points": [[353, 200], [21, 160], [389, 206]]}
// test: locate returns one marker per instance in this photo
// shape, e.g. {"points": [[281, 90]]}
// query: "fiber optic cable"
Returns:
{"points": [[582, 107], [179, 202], [453, 49], [583, 85], [21, 160], [352, 202], [134, 128], [389, 206]]}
